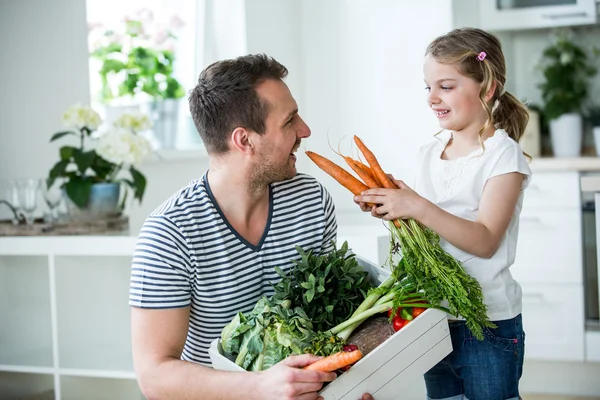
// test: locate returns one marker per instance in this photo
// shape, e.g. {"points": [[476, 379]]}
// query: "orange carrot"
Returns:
{"points": [[372, 160], [365, 176], [338, 173], [369, 171], [335, 361]]}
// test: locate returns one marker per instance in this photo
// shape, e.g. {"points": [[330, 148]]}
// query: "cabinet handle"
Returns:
{"points": [[531, 220], [537, 297], [562, 16]]}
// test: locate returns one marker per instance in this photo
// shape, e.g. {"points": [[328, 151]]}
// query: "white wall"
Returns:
{"points": [[363, 76], [43, 71], [527, 48]]}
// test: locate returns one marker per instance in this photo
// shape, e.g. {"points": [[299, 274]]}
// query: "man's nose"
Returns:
{"points": [[303, 129]]}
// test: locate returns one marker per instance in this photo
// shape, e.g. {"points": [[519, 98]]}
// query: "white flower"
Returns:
{"points": [[135, 121], [121, 146], [79, 116], [565, 58]]}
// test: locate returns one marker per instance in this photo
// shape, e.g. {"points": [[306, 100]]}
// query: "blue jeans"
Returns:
{"points": [[480, 370]]}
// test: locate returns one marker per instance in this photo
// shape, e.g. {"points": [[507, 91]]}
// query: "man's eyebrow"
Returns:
{"points": [[291, 114]]}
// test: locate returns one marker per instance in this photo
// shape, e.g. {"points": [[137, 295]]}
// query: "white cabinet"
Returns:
{"points": [[549, 246], [497, 15], [553, 321], [549, 267], [65, 318]]}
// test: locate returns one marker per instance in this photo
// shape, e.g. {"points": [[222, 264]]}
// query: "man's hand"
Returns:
{"points": [[288, 381]]}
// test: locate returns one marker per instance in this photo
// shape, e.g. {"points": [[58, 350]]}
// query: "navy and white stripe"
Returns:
{"points": [[187, 255]]}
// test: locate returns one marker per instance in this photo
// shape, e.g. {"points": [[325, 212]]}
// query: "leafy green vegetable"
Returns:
{"points": [[272, 331], [329, 287]]}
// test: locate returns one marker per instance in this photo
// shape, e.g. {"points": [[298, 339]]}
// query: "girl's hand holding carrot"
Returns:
{"points": [[402, 203]]}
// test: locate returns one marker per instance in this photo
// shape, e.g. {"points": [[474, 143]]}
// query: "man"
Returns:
{"points": [[210, 250]]}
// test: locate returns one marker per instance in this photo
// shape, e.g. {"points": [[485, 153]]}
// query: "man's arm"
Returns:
{"points": [[158, 337]]}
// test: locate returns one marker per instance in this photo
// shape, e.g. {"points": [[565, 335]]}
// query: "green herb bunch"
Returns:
{"points": [[329, 287], [435, 273]]}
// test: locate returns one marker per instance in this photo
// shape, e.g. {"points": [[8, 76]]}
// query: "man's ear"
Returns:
{"points": [[240, 140]]}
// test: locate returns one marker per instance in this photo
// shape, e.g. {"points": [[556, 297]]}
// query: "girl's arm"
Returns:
{"points": [[480, 237]]}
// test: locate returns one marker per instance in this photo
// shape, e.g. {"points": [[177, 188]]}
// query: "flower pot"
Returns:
{"points": [[596, 133], [103, 202], [566, 133], [165, 116]]}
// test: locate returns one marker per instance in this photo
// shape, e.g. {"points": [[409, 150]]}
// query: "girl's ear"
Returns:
{"points": [[240, 140], [490, 94]]}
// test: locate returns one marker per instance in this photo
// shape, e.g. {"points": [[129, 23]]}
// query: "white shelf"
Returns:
{"points": [[91, 373], [65, 317], [113, 245], [95, 388], [25, 329], [27, 369], [14, 385]]}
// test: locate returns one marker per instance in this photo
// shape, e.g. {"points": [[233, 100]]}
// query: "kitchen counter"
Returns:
{"points": [[548, 164]]}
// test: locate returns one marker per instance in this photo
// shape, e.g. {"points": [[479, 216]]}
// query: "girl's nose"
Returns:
{"points": [[432, 98]]}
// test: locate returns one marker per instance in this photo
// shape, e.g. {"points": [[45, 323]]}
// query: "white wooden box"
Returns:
{"points": [[394, 364]]}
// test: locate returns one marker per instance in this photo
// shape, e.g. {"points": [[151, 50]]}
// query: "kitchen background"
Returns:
{"points": [[355, 68]]}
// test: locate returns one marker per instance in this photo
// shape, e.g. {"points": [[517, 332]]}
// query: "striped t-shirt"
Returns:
{"points": [[188, 255]]}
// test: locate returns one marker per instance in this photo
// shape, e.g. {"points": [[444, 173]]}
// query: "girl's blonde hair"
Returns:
{"points": [[463, 47]]}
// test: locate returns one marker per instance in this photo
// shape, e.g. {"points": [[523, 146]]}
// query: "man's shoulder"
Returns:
{"points": [[183, 201]]}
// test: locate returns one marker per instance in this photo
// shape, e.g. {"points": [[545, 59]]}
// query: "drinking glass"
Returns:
{"points": [[53, 195], [27, 191]]}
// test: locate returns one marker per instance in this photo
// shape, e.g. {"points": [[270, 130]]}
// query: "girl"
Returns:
{"points": [[469, 189]]}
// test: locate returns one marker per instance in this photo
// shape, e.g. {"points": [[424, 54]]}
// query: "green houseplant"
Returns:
{"points": [[566, 68], [115, 150], [136, 58]]}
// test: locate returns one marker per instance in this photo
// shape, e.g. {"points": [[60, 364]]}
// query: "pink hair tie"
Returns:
{"points": [[481, 56]]}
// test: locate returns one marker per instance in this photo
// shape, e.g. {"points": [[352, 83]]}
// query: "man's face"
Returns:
{"points": [[284, 129], [453, 97]]}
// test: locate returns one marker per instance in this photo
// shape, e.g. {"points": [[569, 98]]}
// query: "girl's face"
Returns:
{"points": [[454, 98]]}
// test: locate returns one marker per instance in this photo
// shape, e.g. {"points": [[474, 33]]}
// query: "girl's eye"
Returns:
{"points": [[427, 88], [446, 88]]}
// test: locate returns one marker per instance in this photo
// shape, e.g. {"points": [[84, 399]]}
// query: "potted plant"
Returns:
{"points": [[592, 117], [90, 176], [566, 69], [136, 65]]}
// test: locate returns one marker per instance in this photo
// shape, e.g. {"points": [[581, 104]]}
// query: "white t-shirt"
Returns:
{"points": [[457, 186]]}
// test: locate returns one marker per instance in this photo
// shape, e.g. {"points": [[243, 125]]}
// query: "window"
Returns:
{"points": [[132, 47]]}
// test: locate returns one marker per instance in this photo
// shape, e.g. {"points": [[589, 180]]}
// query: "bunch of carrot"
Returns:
{"points": [[429, 268], [372, 175]]}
